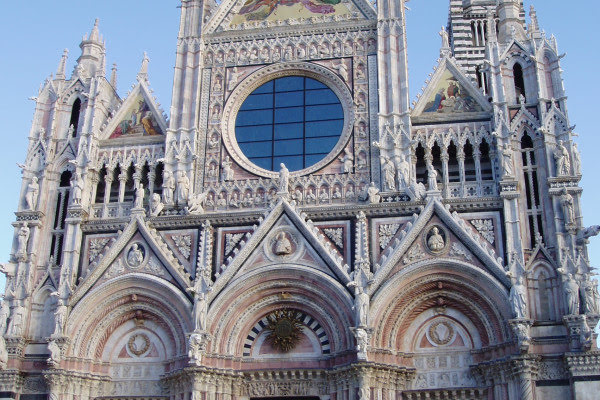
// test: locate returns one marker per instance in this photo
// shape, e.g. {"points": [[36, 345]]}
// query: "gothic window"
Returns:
{"points": [[129, 185], [541, 288], [532, 190], [482, 79], [101, 188], [421, 167], [75, 111], [470, 170], [486, 162], [453, 167], [519, 81], [60, 215], [293, 120], [114, 188], [548, 79], [158, 177]]}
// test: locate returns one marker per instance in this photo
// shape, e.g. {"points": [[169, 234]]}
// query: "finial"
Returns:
{"points": [[95, 35], [60, 72], [143, 74], [534, 26], [113, 76]]}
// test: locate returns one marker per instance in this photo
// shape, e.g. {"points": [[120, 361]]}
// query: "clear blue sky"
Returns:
{"points": [[34, 33]]}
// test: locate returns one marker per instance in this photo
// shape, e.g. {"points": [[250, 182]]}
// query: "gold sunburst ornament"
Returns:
{"points": [[285, 328]]}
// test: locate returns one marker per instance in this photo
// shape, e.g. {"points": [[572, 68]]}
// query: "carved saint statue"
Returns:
{"points": [[4, 314], [3, 353], [518, 298], [566, 200], [403, 173], [284, 178], [431, 178], [361, 307], [196, 203], [60, 317], [31, 196], [227, 170], [283, 246], [23, 239], [16, 323], [563, 162], [507, 161], [139, 196], [156, 206], [445, 38], [591, 298], [571, 289], [576, 160], [436, 241], [77, 187], [200, 311], [135, 257], [183, 188], [168, 187], [55, 355], [373, 194], [347, 162], [389, 173]]}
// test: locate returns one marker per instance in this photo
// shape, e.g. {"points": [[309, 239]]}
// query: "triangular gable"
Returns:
{"points": [[236, 15], [457, 226], [139, 116], [307, 232], [555, 121], [523, 117], [450, 94], [539, 253], [157, 246], [515, 47]]}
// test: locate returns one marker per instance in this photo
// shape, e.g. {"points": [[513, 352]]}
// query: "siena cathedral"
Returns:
{"points": [[295, 227]]}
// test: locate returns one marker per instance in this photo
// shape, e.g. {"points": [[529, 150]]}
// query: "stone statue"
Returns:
{"points": [[507, 161], [591, 298], [436, 241], [362, 342], [361, 307], [373, 194], [77, 187], [200, 311], [196, 203], [23, 239], [283, 246], [563, 162], [571, 289], [576, 160], [3, 353], [168, 187], [347, 162], [566, 200], [4, 314], [31, 196], [445, 38], [156, 206], [284, 178], [389, 173], [403, 173], [518, 298], [60, 317], [432, 178], [227, 170], [183, 188], [55, 353], [135, 257], [139, 196], [16, 323]]}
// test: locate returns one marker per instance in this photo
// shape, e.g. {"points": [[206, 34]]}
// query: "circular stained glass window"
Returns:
{"points": [[293, 120]]}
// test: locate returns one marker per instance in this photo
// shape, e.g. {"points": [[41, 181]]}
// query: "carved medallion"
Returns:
{"points": [[283, 245], [285, 328], [135, 255], [138, 344], [436, 239], [440, 333]]}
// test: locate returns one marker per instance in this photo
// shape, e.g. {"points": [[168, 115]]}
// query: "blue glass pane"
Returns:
{"points": [[288, 147], [312, 159], [287, 99], [316, 113], [291, 114], [289, 131], [320, 145], [253, 133], [324, 128], [257, 101], [254, 117], [263, 162], [293, 163], [314, 84], [256, 149], [289, 83], [265, 88], [322, 96]]}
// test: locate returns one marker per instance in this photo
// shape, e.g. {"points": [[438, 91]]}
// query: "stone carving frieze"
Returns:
{"points": [[485, 227]]}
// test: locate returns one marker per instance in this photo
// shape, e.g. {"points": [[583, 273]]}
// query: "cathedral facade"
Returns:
{"points": [[294, 227]]}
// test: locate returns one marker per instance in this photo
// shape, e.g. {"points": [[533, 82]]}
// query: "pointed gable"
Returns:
{"points": [[450, 94], [138, 117], [235, 15]]}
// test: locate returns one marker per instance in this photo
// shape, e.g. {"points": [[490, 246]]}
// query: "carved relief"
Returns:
{"points": [[386, 233], [486, 228]]}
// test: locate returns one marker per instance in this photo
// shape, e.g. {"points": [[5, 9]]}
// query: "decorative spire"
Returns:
{"points": [[143, 74], [95, 35], [60, 72], [535, 26], [113, 76]]}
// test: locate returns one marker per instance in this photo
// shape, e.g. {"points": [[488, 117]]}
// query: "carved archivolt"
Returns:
{"points": [[263, 75]]}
